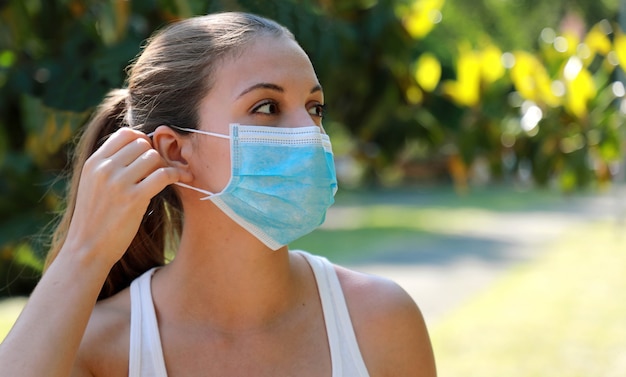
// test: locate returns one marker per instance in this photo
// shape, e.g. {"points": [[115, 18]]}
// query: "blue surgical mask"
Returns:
{"points": [[282, 181]]}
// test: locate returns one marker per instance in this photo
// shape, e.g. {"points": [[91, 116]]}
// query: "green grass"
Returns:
{"points": [[561, 315], [9, 310], [362, 224]]}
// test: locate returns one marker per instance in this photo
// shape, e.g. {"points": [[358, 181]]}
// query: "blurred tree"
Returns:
{"points": [[516, 24], [57, 60], [487, 105]]}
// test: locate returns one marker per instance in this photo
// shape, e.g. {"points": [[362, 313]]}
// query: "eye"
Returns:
{"points": [[267, 107], [318, 110]]}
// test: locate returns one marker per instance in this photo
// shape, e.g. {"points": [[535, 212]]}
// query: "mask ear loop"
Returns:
{"points": [[202, 132], [208, 194], [194, 131]]}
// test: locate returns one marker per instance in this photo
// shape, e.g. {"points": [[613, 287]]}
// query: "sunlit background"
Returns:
{"points": [[479, 147]]}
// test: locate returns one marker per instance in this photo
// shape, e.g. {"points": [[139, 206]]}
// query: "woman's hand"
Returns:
{"points": [[115, 188]]}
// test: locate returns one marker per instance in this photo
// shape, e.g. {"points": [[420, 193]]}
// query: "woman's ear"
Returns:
{"points": [[174, 149]]}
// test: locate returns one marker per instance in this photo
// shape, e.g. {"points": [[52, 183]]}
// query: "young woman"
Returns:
{"points": [[215, 151]]}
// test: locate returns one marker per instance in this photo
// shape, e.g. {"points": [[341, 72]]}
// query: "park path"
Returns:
{"points": [[460, 265]]}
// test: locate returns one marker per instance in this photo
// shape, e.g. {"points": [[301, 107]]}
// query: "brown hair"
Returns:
{"points": [[165, 86]]}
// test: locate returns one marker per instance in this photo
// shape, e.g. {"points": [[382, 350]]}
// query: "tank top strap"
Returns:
{"points": [[146, 353], [346, 356]]}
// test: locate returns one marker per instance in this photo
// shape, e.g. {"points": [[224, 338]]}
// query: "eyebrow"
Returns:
{"points": [[317, 88], [278, 88]]}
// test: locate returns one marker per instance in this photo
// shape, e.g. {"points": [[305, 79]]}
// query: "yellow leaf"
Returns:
{"points": [[464, 94], [428, 72], [597, 41], [466, 90], [580, 89], [122, 16], [531, 79], [619, 43], [492, 68], [421, 17], [522, 75], [113, 21], [567, 43], [414, 95]]}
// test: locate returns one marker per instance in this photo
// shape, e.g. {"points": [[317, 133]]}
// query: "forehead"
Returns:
{"points": [[271, 59]]}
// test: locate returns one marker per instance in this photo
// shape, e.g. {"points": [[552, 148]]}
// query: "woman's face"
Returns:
{"points": [[270, 83]]}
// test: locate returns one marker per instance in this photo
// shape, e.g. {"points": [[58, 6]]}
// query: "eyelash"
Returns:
{"points": [[255, 110], [320, 109]]}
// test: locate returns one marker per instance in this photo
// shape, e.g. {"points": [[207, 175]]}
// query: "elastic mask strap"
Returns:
{"points": [[202, 132], [208, 194], [195, 131]]}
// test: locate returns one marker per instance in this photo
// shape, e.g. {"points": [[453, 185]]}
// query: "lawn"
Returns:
{"points": [[563, 314], [9, 310], [371, 223]]}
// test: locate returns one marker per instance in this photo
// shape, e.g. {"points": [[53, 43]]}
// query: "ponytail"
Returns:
{"points": [[162, 221]]}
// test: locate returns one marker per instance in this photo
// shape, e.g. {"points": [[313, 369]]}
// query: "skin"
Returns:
{"points": [[260, 312]]}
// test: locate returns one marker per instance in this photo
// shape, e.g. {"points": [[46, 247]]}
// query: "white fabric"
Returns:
{"points": [[345, 354], [146, 353]]}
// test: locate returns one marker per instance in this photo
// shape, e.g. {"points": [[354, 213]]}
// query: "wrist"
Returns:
{"points": [[84, 259]]}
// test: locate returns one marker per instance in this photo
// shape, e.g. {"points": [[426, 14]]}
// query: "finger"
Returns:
{"points": [[143, 166], [158, 180], [113, 166], [118, 140], [130, 152]]}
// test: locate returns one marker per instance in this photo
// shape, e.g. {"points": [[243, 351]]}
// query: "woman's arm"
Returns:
{"points": [[389, 326], [46, 336], [116, 185], [403, 340]]}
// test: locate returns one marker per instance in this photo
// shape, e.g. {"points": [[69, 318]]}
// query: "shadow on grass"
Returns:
{"points": [[403, 246], [435, 226], [496, 198]]}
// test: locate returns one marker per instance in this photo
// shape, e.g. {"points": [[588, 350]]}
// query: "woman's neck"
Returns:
{"points": [[224, 277]]}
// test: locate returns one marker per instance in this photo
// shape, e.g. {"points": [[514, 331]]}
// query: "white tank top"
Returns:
{"points": [[146, 353]]}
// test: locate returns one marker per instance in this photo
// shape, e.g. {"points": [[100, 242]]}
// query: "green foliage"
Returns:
{"points": [[515, 24], [550, 117], [57, 60]]}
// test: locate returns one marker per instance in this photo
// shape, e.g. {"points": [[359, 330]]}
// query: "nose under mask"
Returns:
{"points": [[282, 181]]}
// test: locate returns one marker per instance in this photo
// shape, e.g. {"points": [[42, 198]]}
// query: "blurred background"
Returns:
{"points": [[479, 147]]}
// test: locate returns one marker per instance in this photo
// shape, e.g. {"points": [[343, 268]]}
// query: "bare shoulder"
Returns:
{"points": [[388, 324], [105, 345]]}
